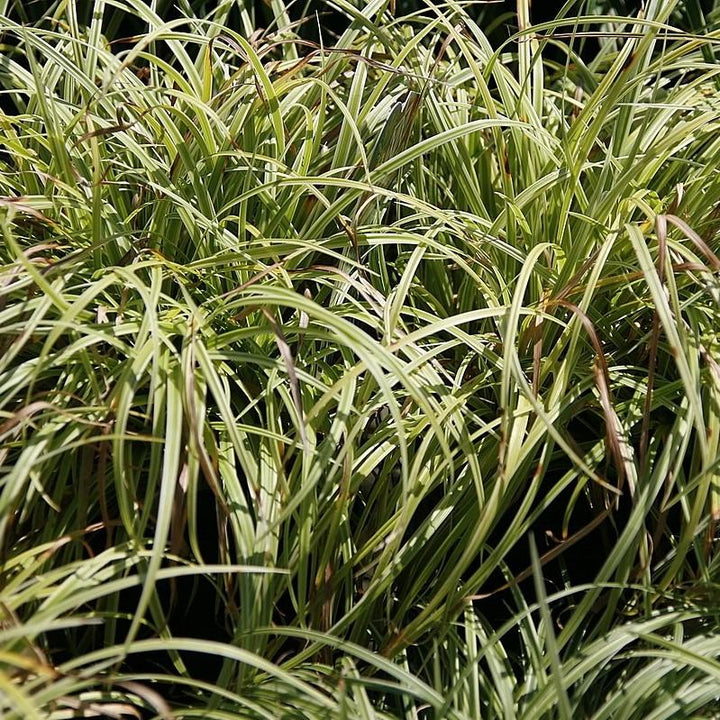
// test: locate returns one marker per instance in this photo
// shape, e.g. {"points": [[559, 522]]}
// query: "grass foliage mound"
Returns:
{"points": [[375, 377]]}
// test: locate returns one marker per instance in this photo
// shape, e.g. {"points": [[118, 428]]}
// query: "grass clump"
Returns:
{"points": [[372, 378]]}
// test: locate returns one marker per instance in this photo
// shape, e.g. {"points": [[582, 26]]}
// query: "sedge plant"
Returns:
{"points": [[369, 377]]}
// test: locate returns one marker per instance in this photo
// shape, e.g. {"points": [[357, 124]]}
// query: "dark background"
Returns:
{"points": [[499, 15]]}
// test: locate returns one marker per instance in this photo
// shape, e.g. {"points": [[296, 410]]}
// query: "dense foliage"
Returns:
{"points": [[373, 377]]}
